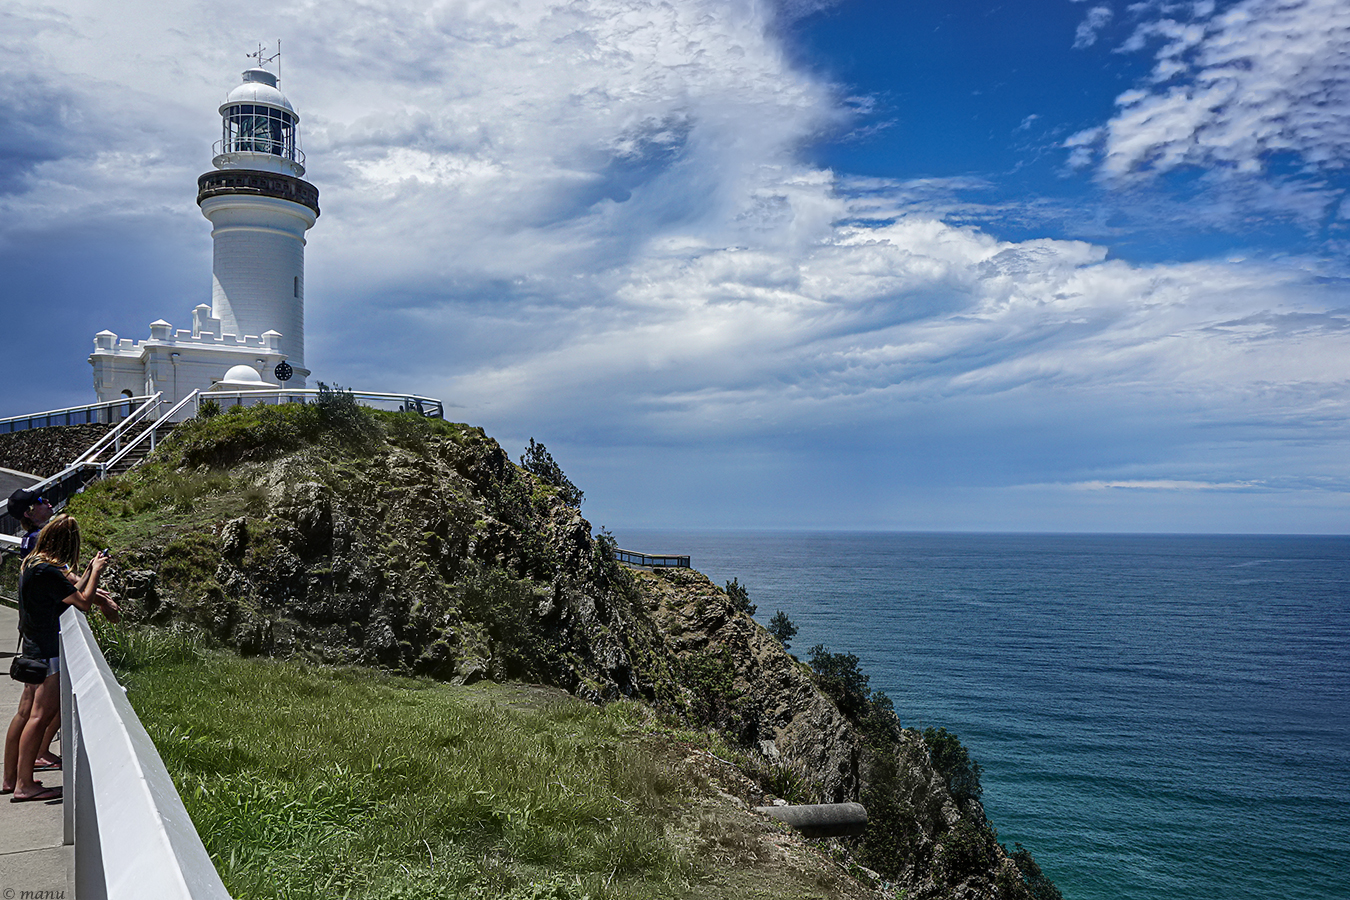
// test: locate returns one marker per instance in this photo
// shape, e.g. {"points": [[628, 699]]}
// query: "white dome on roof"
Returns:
{"points": [[260, 86], [243, 376]]}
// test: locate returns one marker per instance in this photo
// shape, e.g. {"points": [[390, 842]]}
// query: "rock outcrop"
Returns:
{"points": [[45, 451]]}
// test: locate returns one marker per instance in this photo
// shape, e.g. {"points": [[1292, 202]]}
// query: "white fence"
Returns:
{"points": [[132, 835], [106, 412], [427, 406]]}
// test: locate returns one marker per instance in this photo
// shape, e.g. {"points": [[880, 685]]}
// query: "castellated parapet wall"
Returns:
{"points": [[179, 362]]}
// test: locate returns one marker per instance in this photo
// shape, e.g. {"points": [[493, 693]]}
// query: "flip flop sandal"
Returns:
{"points": [[47, 767], [51, 793]]}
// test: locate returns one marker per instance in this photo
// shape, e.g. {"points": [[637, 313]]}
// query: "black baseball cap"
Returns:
{"points": [[21, 501]]}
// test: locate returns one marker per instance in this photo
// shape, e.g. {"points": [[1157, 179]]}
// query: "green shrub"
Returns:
{"points": [[781, 627], [966, 849], [740, 597], [540, 463], [208, 408], [340, 415], [249, 433], [1037, 884], [611, 573], [953, 762], [838, 675], [717, 702]]}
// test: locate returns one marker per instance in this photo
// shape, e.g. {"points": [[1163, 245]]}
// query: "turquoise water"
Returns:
{"points": [[1158, 717]]}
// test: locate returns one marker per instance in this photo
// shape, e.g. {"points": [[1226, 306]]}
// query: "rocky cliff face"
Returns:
{"points": [[418, 546]]}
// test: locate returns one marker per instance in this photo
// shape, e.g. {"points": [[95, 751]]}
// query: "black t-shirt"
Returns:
{"points": [[43, 589]]}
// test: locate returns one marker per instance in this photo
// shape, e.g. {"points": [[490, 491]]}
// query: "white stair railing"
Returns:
{"points": [[144, 413], [150, 434]]}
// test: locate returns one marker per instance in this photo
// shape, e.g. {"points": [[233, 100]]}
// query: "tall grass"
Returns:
{"points": [[312, 782]]}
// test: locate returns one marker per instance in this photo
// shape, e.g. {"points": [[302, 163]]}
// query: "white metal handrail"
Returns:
{"points": [[54, 488], [132, 835], [270, 146], [149, 434], [427, 406], [69, 414], [114, 437]]}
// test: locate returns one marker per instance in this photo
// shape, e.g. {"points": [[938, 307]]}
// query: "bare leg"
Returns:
{"points": [[45, 756], [46, 706], [12, 736]]}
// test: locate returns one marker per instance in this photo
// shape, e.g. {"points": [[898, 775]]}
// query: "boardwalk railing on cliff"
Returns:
{"points": [[132, 835], [655, 561]]}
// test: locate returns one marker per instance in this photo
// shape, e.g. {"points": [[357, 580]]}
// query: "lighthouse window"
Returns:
{"points": [[297, 286], [255, 128]]}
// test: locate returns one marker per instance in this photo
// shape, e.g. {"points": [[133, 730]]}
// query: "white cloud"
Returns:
{"points": [[1159, 485], [1235, 90], [1096, 19]]}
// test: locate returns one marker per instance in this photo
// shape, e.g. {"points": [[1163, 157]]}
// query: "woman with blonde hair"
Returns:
{"points": [[46, 587]]}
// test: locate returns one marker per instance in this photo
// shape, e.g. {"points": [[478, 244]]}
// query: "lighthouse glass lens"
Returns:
{"points": [[260, 129]]}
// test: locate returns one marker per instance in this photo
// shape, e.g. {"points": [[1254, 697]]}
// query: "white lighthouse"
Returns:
{"points": [[260, 208]]}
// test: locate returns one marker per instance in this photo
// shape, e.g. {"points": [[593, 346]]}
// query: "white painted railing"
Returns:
{"points": [[427, 406], [72, 479], [107, 411], [146, 412], [132, 835], [150, 434]]}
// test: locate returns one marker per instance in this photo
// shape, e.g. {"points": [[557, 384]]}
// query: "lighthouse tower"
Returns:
{"points": [[260, 208]]}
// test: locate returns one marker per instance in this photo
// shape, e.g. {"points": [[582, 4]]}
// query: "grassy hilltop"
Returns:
{"points": [[405, 625]]}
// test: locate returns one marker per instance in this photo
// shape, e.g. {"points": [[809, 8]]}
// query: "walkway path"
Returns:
{"points": [[32, 858], [10, 481]]}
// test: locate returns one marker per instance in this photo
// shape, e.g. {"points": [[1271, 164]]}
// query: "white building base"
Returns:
{"points": [[179, 362]]}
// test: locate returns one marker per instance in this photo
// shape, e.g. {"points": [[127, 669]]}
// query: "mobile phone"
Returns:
{"points": [[104, 552]]}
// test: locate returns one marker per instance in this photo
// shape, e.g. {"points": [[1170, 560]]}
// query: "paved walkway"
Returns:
{"points": [[31, 855], [10, 481]]}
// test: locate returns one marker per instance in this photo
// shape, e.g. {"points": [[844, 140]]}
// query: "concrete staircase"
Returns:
{"points": [[138, 453]]}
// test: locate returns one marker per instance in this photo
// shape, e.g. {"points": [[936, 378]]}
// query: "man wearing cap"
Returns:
{"points": [[32, 510]]}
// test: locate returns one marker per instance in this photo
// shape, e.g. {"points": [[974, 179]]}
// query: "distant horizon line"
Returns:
{"points": [[974, 532]]}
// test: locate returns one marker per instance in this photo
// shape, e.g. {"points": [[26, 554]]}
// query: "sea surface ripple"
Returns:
{"points": [[1158, 717]]}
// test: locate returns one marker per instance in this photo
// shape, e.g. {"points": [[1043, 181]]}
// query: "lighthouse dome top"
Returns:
{"points": [[260, 88]]}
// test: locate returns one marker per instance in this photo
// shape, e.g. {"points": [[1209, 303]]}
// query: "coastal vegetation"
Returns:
{"points": [[419, 789], [781, 627], [381, 564]]}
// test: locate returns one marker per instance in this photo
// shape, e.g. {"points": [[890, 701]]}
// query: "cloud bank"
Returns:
{"points": [[591, 223]]}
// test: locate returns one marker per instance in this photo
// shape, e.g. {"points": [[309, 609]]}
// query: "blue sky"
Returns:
{"points": [[1050, 266]]}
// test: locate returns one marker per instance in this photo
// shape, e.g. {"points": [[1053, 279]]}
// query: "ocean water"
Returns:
{"points": [[1158, 717]]}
